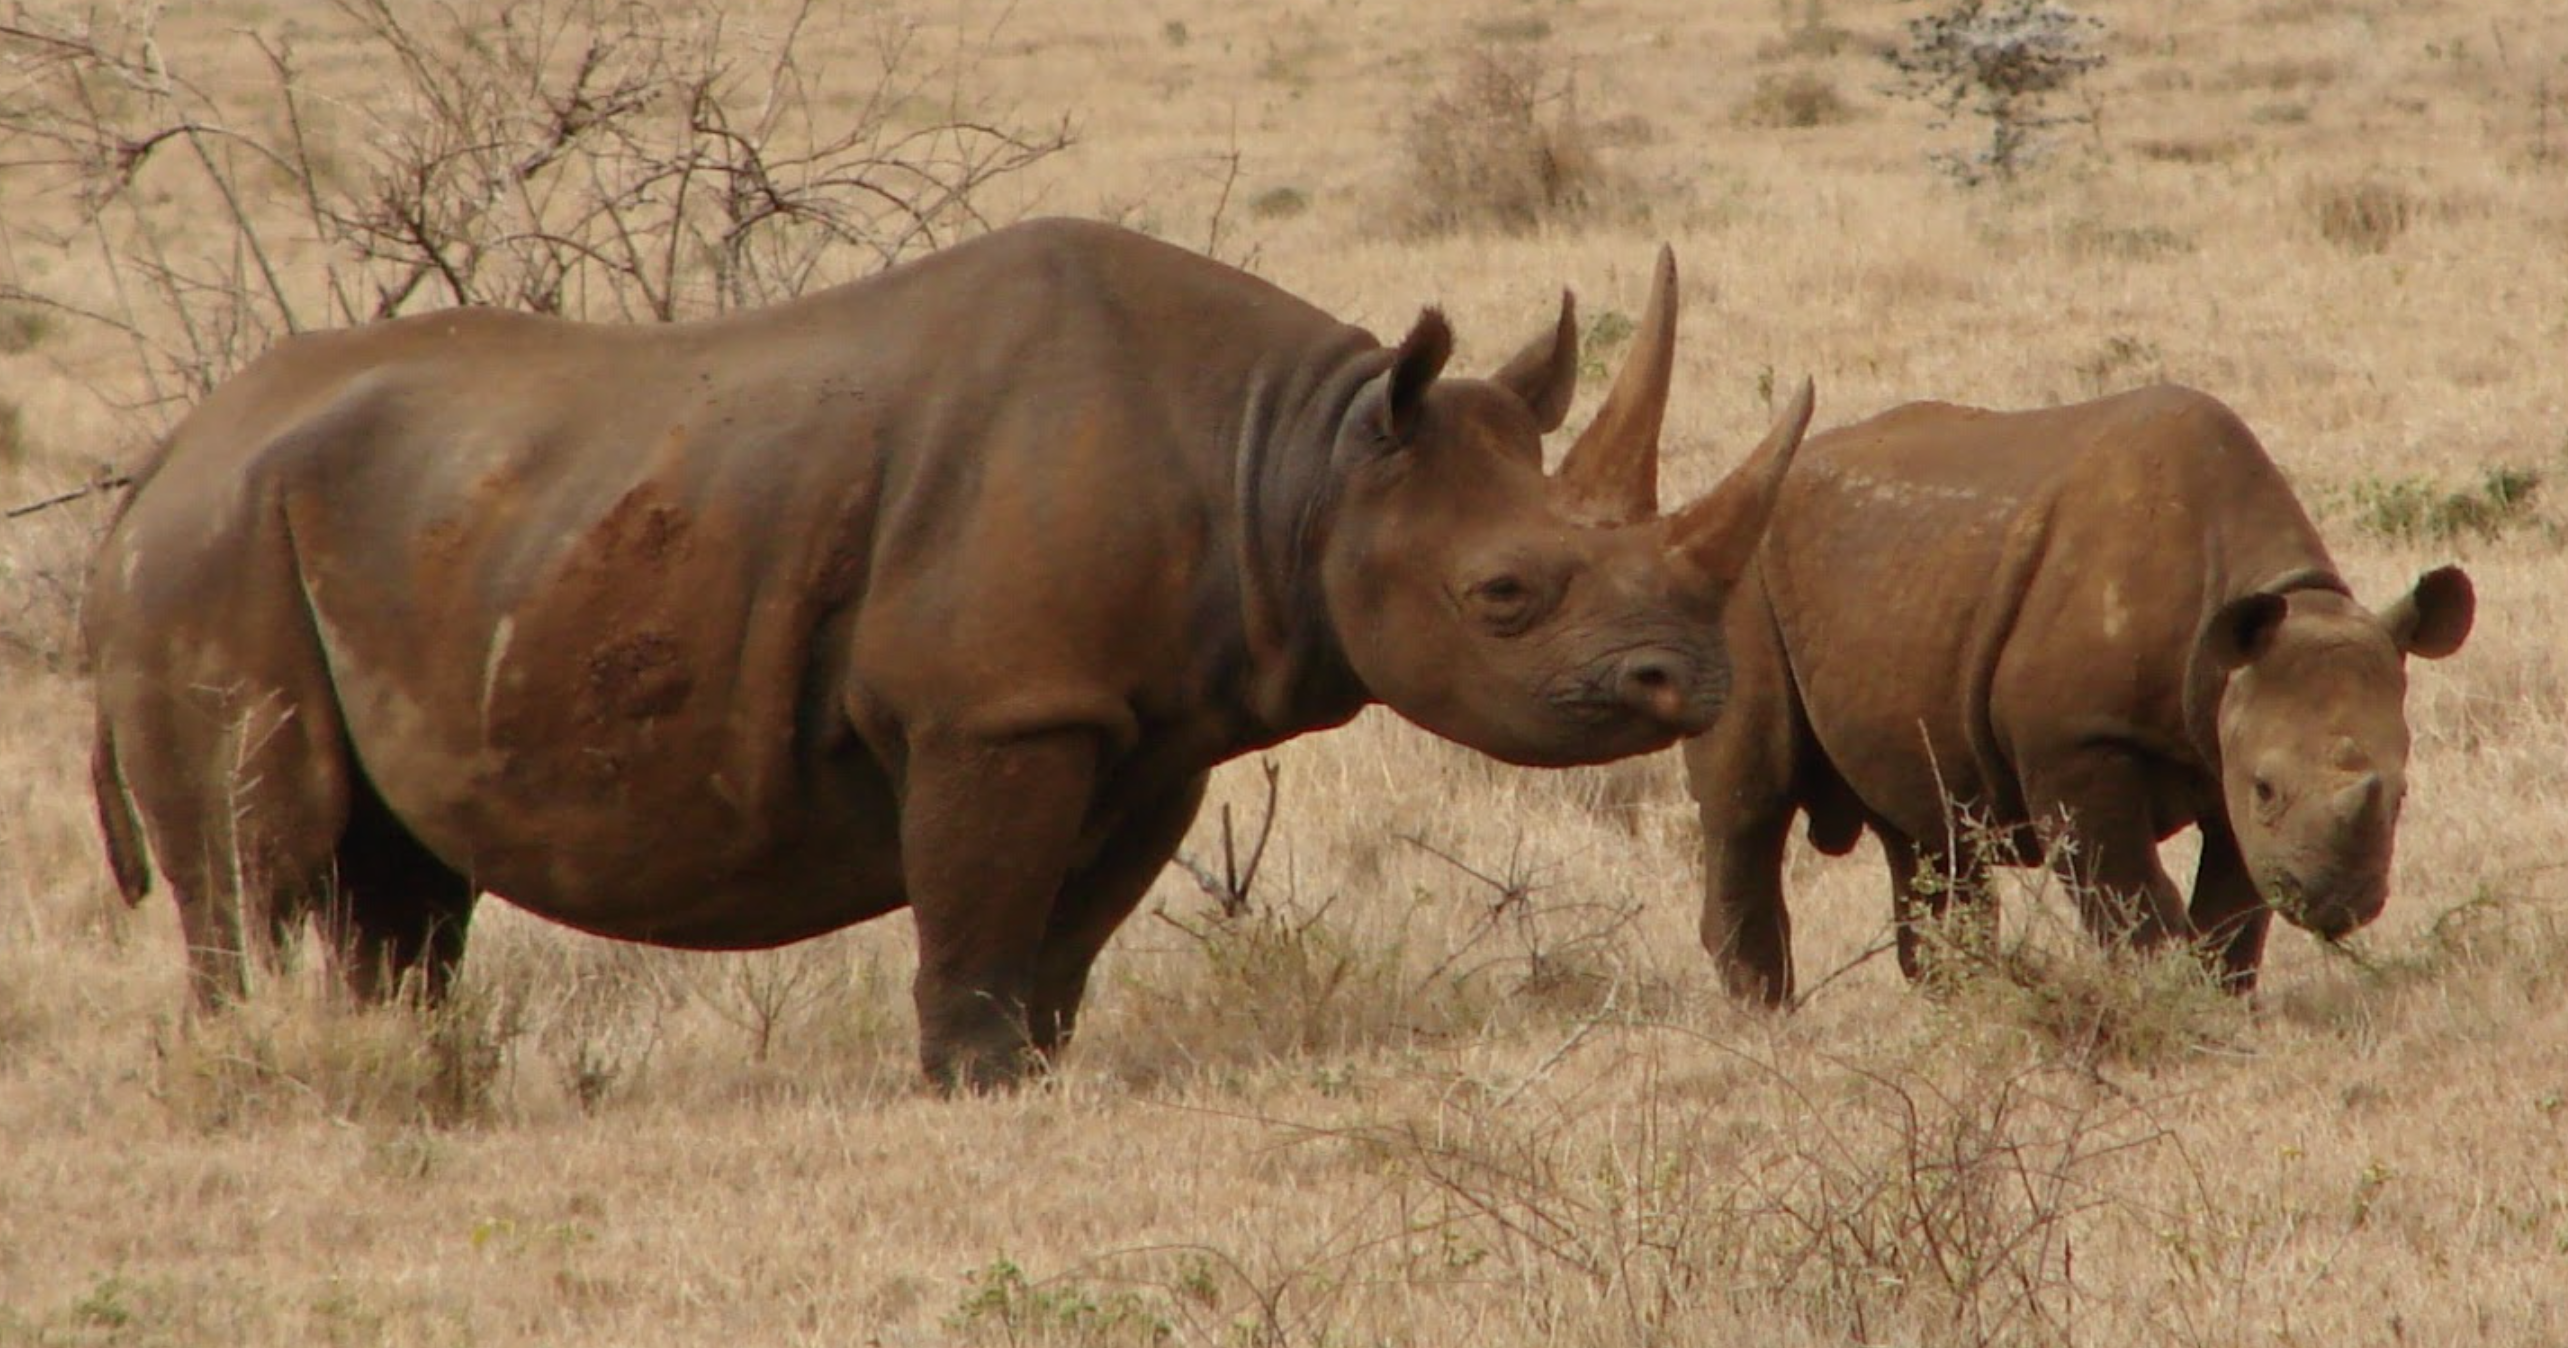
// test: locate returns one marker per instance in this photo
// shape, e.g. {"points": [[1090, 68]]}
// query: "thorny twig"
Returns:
{"points": [[111, 482], [1232, 887]]}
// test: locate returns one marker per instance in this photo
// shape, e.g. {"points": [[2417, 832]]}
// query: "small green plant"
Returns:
{"points": [[2002, 63], [103, 1306], [2413, 510], [2086, 237], [23, 328], [998, 1294], [1606, 334], [1279, 203]]}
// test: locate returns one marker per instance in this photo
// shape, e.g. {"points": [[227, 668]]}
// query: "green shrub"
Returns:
{"points": [[2413, 510]]}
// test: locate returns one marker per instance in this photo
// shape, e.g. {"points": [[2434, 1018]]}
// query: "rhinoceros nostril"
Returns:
{"points": [[1655, 686], [2359, 805]]}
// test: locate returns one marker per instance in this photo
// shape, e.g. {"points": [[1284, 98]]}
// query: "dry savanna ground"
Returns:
{"points": [[1459, 1074]]}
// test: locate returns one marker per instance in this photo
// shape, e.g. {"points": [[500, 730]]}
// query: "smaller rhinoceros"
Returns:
{"points": [[2064, 633]]}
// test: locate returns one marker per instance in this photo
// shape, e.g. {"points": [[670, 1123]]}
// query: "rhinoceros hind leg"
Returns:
{"points": [[209, 922], [240, 792], [987, 832], [396, 907], [2228, 912], [1093, 903]]}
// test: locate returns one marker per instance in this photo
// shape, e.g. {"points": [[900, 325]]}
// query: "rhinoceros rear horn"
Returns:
{"points": [[1611, 473], [1720, 532]]}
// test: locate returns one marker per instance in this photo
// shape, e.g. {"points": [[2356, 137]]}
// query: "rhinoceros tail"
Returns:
{"points": [[126, 856]]}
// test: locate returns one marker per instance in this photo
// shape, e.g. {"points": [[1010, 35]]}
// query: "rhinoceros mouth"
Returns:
{"points": [[2329, 907]]}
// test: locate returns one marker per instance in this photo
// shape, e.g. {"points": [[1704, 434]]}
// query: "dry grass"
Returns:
{"points": [[1396, 1102]]}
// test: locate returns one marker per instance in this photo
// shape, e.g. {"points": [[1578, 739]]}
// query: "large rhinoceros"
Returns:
{"points": [[2061, 634], [943, 589]]}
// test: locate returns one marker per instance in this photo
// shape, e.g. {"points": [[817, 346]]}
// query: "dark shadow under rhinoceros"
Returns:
{"points": [[2060, 635], [943, 589]]}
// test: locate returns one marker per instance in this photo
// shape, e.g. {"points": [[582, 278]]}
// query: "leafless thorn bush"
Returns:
{"points": [[1283, 978], [1237, 883], [2085, 1006], [595, 158], [1560, 955], [1500, 148], [764, 992], [607, 1021], [1891, 1210]]}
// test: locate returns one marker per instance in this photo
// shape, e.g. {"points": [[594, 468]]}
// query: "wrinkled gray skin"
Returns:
{"points": [[945, 589], [2087, 627]]}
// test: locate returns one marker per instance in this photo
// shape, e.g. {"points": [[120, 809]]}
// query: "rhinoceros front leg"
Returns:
{"points": [[2098, 802], [1940, 902], [1741, 775], [1094, 902], [2232, 917], [987, 832], [1746, 817]]}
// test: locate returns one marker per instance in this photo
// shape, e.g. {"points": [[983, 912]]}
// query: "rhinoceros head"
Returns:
{"points": [[1542, 619], [2314, 737]]}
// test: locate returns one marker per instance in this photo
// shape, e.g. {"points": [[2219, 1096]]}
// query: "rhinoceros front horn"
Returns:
{"points": [[1611, 474], [1719, 533]]}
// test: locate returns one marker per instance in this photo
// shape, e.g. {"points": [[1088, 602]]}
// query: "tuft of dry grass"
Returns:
{"points": [[1801, 99], [2363, 215], [296, 1055]]}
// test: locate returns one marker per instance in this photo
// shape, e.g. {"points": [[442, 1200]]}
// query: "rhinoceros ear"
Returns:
{"points": [[1545, 373], [1384, 415], [2242, 629], [2433, 619]]}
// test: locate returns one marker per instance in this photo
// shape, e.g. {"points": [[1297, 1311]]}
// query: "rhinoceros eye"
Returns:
{"points": [[1506, 602]]}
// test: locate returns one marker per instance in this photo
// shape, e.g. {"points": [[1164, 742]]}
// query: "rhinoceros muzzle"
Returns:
{"points": [[2331, 905], [1677, 690], [1673, 689]]}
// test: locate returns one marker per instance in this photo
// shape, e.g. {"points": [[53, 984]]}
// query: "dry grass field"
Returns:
{"points": [[1461, 1075]]}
